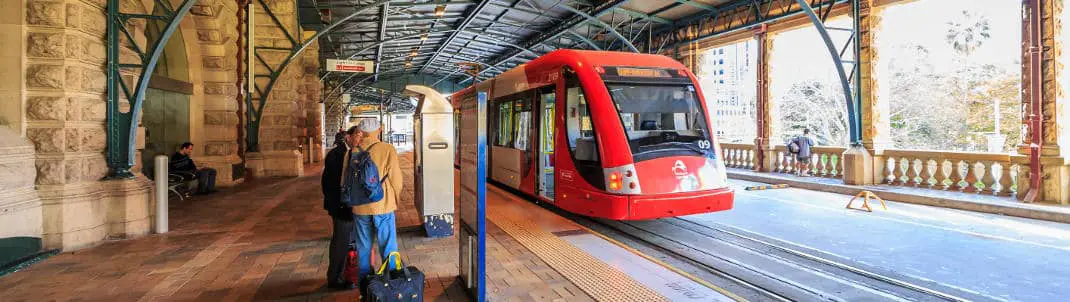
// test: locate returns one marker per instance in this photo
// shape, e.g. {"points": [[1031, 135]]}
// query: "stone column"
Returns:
{"points": [[863, 166], [278, 154], [770, 160], [217, 33], [65, 115], [763, 150], [1055, 108], [20, 207], [12, 65]]}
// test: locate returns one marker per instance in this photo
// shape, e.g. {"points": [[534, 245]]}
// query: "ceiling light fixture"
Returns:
{"points": [[440, 10]]}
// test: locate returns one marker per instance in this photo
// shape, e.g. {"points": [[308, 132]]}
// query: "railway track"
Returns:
{"points": [[768, 270], [758, 268]]}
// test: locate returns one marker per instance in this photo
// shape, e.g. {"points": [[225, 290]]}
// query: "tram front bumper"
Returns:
{"points": [[679, 204]]}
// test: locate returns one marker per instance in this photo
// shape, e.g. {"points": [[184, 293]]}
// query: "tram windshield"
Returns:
{"points": [[662, 120]]}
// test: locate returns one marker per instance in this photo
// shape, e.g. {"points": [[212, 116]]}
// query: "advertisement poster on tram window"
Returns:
{"points": [[472, 203]]}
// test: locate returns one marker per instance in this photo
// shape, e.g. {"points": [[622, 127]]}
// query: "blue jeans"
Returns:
{"points": [[383, 230]]}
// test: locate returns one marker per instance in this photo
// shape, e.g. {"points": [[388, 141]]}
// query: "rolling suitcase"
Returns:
{"points": [[399, 284]]}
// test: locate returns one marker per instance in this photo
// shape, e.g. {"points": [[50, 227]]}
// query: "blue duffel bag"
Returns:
{"points": [[399, 284]]}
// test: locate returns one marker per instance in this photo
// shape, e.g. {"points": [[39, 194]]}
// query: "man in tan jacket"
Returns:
{"points": [[375, 221]]}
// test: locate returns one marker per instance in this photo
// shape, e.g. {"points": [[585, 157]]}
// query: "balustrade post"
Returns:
{"points": [[912, 172], [929, 170], [773, 162], [750, 160], [957, 176], [1005, 181], [826, 165], [897, 170], [970, 178], [989, 178], [945, 179]]}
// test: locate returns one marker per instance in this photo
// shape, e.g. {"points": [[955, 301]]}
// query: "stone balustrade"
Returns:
{"points": [[738, 155], [825, 161], [970, 172]]}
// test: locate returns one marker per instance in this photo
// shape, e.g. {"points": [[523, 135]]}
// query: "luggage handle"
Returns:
{"points": [[382, 267]]}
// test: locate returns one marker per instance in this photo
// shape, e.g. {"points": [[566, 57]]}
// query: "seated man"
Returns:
{"points": [[181, 163]]}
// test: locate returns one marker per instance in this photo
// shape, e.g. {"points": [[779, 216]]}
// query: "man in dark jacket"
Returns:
{"points": [[802, 158], [182, 164], [341, 214]]}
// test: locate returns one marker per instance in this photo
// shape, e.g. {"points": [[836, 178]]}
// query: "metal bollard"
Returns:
{"points": [[161, 193]]}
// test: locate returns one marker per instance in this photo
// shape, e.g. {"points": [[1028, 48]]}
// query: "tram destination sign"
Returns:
{"points": [[644, 74], [350, 66]]}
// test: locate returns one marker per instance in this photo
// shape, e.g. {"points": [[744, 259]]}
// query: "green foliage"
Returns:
{"points": [[953, 110], [816, 106]]}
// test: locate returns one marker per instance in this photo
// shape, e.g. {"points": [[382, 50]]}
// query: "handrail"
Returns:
{"points": [[970, 172], [949, 154]]}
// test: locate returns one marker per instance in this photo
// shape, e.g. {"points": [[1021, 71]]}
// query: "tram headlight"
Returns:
{"points": [[622, 180], [614, 181]]}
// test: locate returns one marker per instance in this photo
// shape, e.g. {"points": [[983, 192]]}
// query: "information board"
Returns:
{"points": [[473, 204], [350, 66]]}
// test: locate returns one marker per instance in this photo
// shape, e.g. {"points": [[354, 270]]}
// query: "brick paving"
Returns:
{"points": [[267, 239]]}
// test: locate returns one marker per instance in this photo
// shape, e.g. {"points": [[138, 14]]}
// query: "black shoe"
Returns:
{"points": [[341, 286]]}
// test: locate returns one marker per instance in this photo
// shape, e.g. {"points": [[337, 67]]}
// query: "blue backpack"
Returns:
{"points": [[361, 182]]}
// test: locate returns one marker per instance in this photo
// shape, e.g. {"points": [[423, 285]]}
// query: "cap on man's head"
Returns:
{"points": [[368, 125]]}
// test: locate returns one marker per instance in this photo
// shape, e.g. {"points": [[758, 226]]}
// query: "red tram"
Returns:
{"points": [[631, 141]]}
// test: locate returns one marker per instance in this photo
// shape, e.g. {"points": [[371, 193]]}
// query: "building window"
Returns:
{"points": [[730, 83]]}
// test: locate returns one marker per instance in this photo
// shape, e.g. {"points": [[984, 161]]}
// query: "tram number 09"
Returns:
{"points": [[703, 144]]}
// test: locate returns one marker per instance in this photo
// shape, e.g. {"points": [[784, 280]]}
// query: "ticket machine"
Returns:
{"points": [[433, 160]]}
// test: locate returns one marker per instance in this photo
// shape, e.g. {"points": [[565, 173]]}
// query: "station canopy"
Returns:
{"points": [[444, 44]]}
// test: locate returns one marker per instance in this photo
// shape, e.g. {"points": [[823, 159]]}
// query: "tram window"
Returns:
{"points": [[505, 124], [661, 120], [580, 132], [522, 120], [582, 144], [523, 125]]}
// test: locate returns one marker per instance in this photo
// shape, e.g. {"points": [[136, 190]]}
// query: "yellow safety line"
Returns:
{"points": [[655, 260], [595, 277], [666, 265]]}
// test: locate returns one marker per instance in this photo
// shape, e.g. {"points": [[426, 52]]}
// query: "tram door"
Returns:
{"points": [[546, 143]]}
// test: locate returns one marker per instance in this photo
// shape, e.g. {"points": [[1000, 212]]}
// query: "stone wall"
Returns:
{"points": [[279, 154], [53, 114], [65, 84], [217, 36]]}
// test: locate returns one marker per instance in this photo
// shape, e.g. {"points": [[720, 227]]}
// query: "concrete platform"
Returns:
{"points": [[955, 200], [992, 257], [267, 240]]}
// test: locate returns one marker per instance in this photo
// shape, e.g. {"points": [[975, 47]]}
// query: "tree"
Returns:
{"points": [[966, 34], [816, 106]]}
